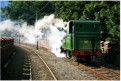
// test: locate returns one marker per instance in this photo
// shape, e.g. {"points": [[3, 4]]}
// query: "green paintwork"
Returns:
{"points": [[86, 27], [84, 33], [84, 42], [67, 42]]}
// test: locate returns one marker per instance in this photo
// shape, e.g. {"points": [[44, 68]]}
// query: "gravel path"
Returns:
{"points": [[62, 69]]}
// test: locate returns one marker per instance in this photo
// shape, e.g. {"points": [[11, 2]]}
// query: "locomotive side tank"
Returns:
{"points": [[82, 39]]}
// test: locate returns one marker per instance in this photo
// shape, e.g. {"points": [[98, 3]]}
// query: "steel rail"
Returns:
{"points": [[92, 71], [42, 61], [95, 72], [46, 66], [110, 71]]}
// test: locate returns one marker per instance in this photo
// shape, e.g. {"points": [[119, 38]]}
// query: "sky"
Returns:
{"points": [[3, 3]]}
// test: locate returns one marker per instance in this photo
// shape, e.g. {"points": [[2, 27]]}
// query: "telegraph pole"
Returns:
{"points": [[37, 36], [37, 45], [19, 39], [36, 16]]}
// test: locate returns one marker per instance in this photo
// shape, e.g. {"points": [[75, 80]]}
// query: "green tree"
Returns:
{"points": [[108, 13], [69, 10], [25, 10]]}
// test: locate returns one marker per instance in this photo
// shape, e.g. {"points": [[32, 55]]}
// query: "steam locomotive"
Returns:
{"points": [[82, 40]]}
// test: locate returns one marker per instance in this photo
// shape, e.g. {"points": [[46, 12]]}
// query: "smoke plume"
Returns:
{"points": [[48, 30]]}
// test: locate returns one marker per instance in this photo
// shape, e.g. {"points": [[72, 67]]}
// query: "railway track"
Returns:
{"points": [[109, 73], [48, 74], [102, 72]]}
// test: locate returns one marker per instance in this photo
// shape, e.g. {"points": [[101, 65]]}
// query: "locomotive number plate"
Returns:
{"points": [[86, 41]]}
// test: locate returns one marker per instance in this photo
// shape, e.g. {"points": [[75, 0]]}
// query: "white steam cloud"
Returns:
{"points": [[49, 31]]}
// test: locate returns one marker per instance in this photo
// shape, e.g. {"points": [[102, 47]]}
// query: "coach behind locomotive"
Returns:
{"points": [[82, 40]]}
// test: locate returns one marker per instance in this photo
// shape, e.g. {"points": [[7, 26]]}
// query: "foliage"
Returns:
{"points": [[107, 12], [23, 10], [69, 10]]}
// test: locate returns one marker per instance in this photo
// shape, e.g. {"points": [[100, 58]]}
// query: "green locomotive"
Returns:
{"points": [[82, 40]]}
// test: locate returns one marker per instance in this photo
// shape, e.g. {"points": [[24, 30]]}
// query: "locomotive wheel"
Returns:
{"points": [[88, 59], [78, 59]]}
